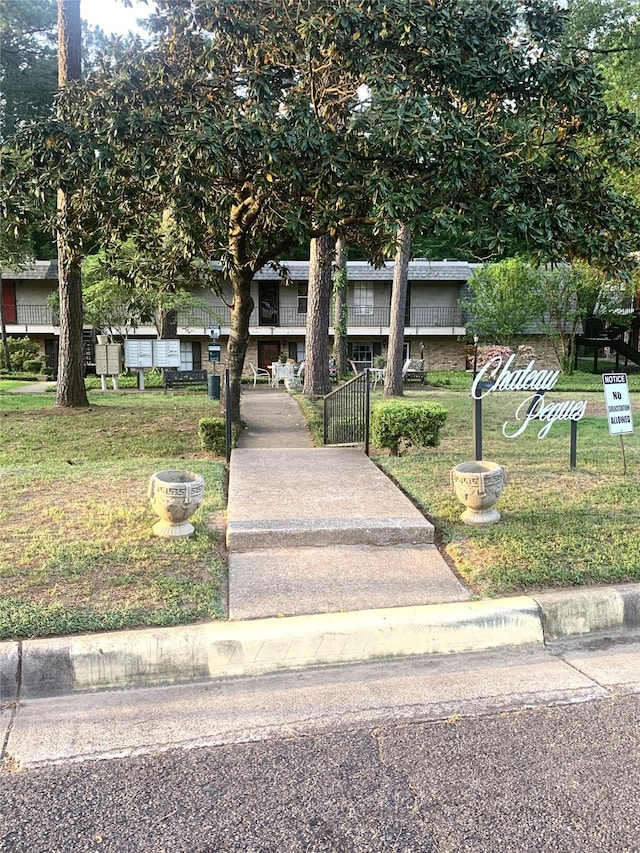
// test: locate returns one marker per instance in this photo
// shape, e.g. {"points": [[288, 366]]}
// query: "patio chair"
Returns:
{"points": [[377, 374], [258, 371]]}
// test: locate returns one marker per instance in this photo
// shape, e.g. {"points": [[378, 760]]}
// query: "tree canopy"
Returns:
{"points": [[261, 124]]}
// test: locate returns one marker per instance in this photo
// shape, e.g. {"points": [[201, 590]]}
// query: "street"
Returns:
{"points": [[534, 751]]}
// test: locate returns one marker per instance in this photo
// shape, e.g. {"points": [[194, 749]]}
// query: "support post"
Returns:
{"points": [[573, 447], [477, 429]]}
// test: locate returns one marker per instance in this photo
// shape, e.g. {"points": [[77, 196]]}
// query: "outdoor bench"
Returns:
{"points": [[184, 378]]}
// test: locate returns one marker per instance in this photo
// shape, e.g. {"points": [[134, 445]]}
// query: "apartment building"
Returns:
{"points": [[434, 320]]}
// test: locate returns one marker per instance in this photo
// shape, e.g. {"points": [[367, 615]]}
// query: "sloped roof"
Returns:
{"points": [[419, 270], [40, 271]]}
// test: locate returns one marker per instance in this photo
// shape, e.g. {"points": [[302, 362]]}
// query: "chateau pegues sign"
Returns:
{"points": [[496, 376]]}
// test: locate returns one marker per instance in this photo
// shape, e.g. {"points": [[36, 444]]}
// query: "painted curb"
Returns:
{"points": [[128, 659], [114, 661], [577, 612]]}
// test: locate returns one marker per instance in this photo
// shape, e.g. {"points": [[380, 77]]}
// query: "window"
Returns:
{"points": [[190, 355], [362, 300], [303, 292], [362, 355]]}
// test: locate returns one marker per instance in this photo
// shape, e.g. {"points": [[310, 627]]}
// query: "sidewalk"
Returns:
{"points": [[328, 563]]}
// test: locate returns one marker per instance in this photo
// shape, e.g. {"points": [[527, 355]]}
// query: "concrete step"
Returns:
{"points": [[333, 579], [292, 498]]}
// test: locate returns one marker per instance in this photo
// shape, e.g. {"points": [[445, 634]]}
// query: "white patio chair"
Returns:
{"points": [[258, 371]]}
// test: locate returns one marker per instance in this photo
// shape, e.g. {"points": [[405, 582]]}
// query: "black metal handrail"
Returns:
{"points": [[345, 413]]}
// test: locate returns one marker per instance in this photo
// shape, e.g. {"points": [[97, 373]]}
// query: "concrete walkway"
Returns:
{"points": [[329, 563], [320, 530]]}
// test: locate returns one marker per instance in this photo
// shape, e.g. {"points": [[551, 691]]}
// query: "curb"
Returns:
{"points": [[593, 609], [35, 669], [61, 666]]}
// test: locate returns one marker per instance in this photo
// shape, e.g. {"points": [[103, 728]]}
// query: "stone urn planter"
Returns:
{"points": [[175, 496], [478, 485]]}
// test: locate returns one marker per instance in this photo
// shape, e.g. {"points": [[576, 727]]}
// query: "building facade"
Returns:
{"points": [[434, 319]]}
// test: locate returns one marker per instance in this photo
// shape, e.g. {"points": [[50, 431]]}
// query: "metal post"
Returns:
{"points": [[573, 446], [227, 413], [366, 415], [477, 429]]}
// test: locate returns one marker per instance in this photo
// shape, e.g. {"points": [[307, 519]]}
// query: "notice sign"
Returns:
{"points": [[616, 398]]}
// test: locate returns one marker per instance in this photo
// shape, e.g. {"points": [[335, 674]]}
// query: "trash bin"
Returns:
{"points": [[214, 386]]}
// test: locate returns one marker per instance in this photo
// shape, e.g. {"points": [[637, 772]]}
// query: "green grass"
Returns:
{"points": [[77, 551], [560, 526]]}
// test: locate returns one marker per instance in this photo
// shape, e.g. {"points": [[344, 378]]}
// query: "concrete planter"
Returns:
{"points": [[175, 496], [478, 485]]}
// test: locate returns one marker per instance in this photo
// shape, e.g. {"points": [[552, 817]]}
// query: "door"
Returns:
{"points": [[268, 352], [269, 295]]}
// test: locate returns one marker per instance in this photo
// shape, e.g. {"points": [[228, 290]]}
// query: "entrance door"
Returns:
{"points": [[268, 352], [269, 295]]}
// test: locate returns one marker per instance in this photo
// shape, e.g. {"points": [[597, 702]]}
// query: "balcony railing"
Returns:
{"points": [[30, 315], [433, 317]]}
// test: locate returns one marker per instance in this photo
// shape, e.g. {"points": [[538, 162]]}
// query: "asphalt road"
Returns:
{"points": [[536, 750], [563, 778]]}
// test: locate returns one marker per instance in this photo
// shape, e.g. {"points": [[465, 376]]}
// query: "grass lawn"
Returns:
{"points": [[560, 526], [77, 552]]}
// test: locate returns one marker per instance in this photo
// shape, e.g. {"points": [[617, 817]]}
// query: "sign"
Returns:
{"points": [[214, 352], [534, 408], [616, 398], [138, 353]]}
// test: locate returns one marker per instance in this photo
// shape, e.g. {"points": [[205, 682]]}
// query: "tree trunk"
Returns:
{"points": [[340, 350], [238, 337], [393, 386], [70, 391], [3, 328], [316, 368], [167, 324]]}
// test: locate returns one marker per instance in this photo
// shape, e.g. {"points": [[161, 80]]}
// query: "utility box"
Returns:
{"points": [[108, 359]]}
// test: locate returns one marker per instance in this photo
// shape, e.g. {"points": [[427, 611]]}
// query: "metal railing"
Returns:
{"points": [[31, 315], [345, 413], [433, 317]]}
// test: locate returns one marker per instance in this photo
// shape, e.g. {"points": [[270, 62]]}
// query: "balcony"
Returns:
{"points": [[442, 317], [30, 315]]}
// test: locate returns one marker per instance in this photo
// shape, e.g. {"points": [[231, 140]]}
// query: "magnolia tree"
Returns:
{"points": [[263, 125]]}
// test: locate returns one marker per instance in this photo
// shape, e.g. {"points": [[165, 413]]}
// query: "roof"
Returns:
{"points": [[420, 269], [40, 270]]}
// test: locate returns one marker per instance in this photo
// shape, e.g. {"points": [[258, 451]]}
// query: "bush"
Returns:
{"points": [[32, 366], [213, 435], [20, 350], [397, 426]]}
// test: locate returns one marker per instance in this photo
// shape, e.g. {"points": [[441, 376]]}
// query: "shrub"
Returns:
{"points": [[213, 435], [20, 350], [32, 366], [397, 426]]}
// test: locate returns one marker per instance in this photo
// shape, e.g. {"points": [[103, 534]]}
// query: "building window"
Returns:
{"points": [[303, 292], [362, 355], [190, 355], [362, 300]]}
